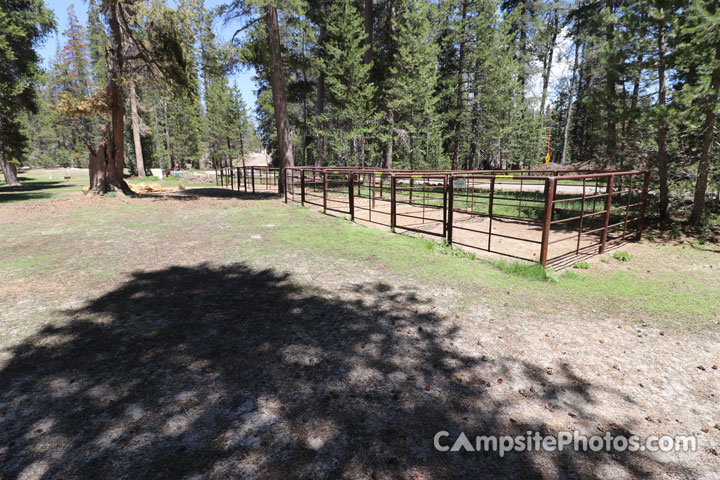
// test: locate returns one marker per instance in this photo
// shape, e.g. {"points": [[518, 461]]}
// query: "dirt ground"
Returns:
{"points": [[511, 238], [190, 336]]}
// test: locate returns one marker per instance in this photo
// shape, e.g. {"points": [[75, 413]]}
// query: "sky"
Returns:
{"points": [[55, 41]]}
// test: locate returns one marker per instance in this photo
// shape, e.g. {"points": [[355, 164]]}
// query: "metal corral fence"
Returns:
{"points": [[248, 179], [553, 217]]}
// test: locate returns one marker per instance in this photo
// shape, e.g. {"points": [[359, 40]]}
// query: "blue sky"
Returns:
{"points": [[47, 51]]}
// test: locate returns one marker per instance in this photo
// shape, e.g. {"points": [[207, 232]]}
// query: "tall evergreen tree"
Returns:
{"points": [[411, 86], [23, 25], [347, 79]]}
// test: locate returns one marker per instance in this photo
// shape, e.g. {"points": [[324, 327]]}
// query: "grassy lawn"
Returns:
{"points": [[237, 336]]}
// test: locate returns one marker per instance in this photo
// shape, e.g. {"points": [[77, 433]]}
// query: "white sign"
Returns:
{"points": [[459, 184]]}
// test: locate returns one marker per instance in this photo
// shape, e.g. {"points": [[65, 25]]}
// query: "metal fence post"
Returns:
{"points": [[252, 178], [285, 173], [547, 218], [352, 196], [449, 194], [393, 203], [643, 205], [302, 187], [606, 217], [245, 178], [490, 210], [324, 175]]}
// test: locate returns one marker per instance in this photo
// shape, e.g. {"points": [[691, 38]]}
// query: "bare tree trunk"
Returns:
{"points": [[389, 151], [391, 114], [136, 130], [108, 161], [10, 172], [636, 88], [320, 109], [707, 144], [522, 77], [277, 84], [472, 160], [167, 136], [459, 92], [568, 120], [156, 136], [662, 158], [583, 92], [611, 77], [548, 60], [303, 147]]}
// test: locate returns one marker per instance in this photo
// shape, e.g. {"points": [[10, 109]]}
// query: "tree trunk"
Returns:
{"points": [[389, 151], [277, 84], [459, 92], [472, 160], [320, 109], [636, 88], [548, 60], [108, 161], [583, 93], [156, 136], [136, 130], [303, 147], [167, 136], [662, 158], [611, 80], [568, 120], [707, 143], [391, 114], [522, 77], [10, 172]]}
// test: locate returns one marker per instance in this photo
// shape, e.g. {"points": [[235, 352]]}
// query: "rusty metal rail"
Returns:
{"points": [[551, 217]]}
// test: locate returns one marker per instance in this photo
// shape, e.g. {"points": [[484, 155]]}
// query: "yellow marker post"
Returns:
{"points": [[547, 157]]}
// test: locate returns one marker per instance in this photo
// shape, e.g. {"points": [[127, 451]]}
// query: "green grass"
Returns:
{"points": [[267, 233], [43, 184], [532, 271], [581, 265], [622, 256], [682, 296]]}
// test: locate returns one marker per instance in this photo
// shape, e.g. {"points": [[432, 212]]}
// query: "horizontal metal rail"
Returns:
{"points": [[499, 198]]}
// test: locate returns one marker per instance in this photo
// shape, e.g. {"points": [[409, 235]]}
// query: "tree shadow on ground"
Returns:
{"points": [[194, 193], [237, 373], [28, 191]]}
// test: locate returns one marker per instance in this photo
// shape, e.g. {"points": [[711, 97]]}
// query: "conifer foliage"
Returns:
{"points": [[462, 84]]}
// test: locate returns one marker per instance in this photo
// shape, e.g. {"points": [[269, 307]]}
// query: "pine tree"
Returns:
{"points": [[411, 86], [350, 91], [23, 24], [700, 53]]}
